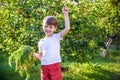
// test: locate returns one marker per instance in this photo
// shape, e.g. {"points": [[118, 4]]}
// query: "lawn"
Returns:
{"points": [[99, 69]]}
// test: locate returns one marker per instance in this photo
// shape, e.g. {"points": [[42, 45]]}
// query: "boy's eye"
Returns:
{"points": [[46, 26], [50, 26]]}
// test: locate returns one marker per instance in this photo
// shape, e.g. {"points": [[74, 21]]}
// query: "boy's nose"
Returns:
{"points": [[47, 28]]}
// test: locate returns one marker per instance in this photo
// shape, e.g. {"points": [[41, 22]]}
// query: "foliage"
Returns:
{"points": [[5, 69], [91, 24], [92, 21], [24, 60]]}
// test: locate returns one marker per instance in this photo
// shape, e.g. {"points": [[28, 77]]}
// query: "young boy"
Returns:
{"points": [[49, 47]]}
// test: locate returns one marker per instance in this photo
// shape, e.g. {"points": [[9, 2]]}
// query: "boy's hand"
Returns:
{"points": [[37, 56], [65, 11]]}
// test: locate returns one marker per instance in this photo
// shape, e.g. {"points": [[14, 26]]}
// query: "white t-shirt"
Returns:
{"points": [[50, 48]]}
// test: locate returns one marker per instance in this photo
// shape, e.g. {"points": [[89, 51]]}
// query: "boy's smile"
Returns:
{"points": [[49, 30]]}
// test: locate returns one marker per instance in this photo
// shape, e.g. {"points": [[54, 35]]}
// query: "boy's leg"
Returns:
{"points": [[44, 73], [55, 72]]}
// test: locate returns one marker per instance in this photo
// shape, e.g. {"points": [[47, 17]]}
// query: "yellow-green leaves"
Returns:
{"points": [[23, 59]]}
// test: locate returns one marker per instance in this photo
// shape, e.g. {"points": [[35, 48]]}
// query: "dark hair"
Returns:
{"points": [[50, 20]]}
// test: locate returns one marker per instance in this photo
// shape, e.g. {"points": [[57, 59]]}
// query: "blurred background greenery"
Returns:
{"points": [[93, 22]]}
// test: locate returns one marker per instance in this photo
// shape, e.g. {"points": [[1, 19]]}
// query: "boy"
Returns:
{"points": [[49, 47]]}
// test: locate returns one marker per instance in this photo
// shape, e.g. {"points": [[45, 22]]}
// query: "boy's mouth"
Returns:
{"points": [[47, 31]]}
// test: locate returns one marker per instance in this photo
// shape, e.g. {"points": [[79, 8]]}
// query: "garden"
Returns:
{"points": [[94, 28]]}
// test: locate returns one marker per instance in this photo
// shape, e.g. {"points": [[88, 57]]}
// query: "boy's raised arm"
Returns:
{"points": [[67, 22]]}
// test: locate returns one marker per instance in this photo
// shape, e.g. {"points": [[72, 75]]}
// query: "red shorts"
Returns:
{"points": [[51, 72]]}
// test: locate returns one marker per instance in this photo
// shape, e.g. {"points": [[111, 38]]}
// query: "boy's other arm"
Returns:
{"points": [[67, 23], [38, 55]]}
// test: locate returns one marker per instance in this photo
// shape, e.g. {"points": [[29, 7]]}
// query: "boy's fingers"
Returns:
{"points": [[65, 10]]}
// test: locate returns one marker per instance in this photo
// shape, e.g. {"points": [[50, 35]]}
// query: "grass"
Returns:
{"points": [[98, 69], [92, 71]]}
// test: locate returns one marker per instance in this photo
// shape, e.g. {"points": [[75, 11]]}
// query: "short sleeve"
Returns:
{"points": [[39, 47], [58, 36]]}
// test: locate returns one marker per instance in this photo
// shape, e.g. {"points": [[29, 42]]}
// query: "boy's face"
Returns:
{"points": [[49, 29]]}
